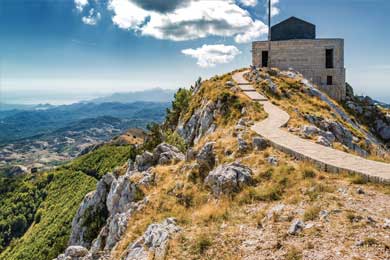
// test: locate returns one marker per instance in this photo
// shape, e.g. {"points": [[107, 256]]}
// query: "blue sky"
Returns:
{"points": [[90, 47]]}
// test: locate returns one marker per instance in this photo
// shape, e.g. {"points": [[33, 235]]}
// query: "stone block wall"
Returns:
{"points": [[309, 58]]}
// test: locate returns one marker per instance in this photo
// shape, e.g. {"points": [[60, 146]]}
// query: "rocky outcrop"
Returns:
{"points": [[328, 131], [228, 178], [92, 207], [206, 158], [259, 143], [74, 253], [368, 111], [163, 154], [104, 213], [200, 123], [153, 242]]}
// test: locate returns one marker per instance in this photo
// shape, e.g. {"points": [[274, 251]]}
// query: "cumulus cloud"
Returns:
{"points": [[274, 9], [248, 2], [196, 19], [161, 6], [211, 55], [256, 31], [80, 4], [181, 20], [92, 18], [127, 15]]}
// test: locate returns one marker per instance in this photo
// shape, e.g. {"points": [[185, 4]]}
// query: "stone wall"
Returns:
{"points": [[309, 58]]}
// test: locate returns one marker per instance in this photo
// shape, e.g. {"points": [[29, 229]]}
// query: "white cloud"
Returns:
{"points": [[274, 9], [248, 2], [211, 55], [127, 15], [196, 19], [92, 18], [80, 4], [258, 30]]}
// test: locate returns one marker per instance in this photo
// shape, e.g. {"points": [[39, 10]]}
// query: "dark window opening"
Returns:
{"points": [[264, 58], [329, 80], [329, 59]]}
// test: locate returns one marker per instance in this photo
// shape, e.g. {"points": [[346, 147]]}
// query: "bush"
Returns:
{"points": [[173, 138], [202, 243]]}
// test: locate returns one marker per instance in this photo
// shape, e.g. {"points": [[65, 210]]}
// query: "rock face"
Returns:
{"points": [[104, 213], [206, 158], [228, 178], [93, 205], [163, 154], [153, 242], [199, 124]]}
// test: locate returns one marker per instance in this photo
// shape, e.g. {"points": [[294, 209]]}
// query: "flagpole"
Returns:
{"points": [[269, 33]]}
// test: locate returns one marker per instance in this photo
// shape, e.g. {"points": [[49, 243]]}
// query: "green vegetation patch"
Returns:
{"points": [[103, 160], [49, 235]]}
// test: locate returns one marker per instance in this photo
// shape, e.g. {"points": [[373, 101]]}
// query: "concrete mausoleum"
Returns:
{"points": [[294, 46]]}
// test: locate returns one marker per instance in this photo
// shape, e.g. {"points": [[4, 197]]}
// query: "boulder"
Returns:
{"points": [[323, 141], [242, 144], [309, 130], [206, 157], [259, 143], [76, 252], [272, 160], [229, 84], [228, 178], [153, 242], [144, 161], [165, 153], [382, 129], [296, 227]]}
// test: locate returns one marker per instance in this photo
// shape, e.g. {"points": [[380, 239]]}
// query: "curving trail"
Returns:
{"points": [[326, 158]]}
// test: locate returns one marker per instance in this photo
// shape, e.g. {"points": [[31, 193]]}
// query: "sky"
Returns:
{"points": [[76, 49]]}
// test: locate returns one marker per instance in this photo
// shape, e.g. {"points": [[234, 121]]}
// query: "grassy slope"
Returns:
{"points": [[49, 234], [215, 228]]}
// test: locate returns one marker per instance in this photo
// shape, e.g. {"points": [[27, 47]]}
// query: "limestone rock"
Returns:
{"points": [[206, 157], [154, 241], [272, 160], [165, 153], [323, 141], [144, 161], [259, 143], [309, 130], [228, 178], [242, 144], [296, 227], [76, 251], [199, 124], [382, 129], [93, 205]]}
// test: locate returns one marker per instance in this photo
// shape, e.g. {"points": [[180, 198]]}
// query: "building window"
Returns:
{"points": [[264, 58], [329, 59], [329, 80]]}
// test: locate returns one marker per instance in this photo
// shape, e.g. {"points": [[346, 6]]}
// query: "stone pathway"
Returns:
{"points": [[326, 158]]}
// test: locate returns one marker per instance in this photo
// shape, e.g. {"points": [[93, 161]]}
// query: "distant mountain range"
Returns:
{"points": [[149, 95]]}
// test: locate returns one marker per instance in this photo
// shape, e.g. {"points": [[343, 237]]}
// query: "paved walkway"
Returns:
{"points": [[326, 158]]}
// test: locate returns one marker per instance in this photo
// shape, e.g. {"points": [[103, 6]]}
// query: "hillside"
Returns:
{"points": [[203, 185], [46, 138]]}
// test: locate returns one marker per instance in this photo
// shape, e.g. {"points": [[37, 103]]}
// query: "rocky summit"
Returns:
{"points": [[220, 178]]}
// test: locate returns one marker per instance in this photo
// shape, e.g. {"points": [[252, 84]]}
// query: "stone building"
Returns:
{"points": [[294, 45]]}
